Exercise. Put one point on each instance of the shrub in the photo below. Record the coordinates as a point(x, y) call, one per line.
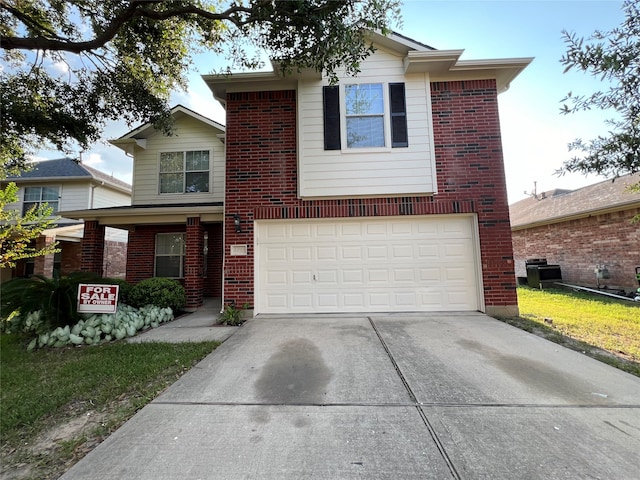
point(161, 292)
point(124, 291)
point(56, 298)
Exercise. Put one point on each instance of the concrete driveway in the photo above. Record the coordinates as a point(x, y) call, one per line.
point(382, 396)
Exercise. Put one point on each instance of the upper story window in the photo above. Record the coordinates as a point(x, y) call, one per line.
point(184, 172)
point(170, 255)
point(34, 196)
point(367, 116)
point(364, 113)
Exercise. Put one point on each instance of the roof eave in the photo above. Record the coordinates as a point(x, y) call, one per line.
point(129, 217)
point(576, 216)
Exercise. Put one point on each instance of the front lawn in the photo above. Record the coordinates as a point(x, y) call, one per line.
point(47, 389)
point(593, 321)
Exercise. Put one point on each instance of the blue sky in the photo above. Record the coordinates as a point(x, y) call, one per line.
point(535, 135)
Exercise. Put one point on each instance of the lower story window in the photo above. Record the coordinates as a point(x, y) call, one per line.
point(170, 255)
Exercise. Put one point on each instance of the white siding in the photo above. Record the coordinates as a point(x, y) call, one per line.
point(74, 196)
point(190, 134)
point(361, 172)
point(116, 235)
point(104, 197)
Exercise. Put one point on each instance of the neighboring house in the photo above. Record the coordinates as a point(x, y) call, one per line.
point(384, 192)
point(64, 184)
point(583, 231)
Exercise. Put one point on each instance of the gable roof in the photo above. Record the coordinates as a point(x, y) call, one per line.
point(441, 65)
point(146, 129)
point(557, 205)
point(67, 169)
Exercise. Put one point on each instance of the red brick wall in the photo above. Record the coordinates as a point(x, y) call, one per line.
point(261, 179)
point(93, 247)
point(194, 263)
point(70, 257)
point(115, 259)
point(142, 248)
point(213, 279)
point(579, 245)
point(44, 263)
point(470, 166)
point(141, 258)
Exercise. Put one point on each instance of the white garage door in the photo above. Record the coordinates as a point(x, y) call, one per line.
point(367, 265)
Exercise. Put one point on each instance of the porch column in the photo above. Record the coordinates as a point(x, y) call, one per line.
point(43, 265)
point(92, 247)
point(194, 264)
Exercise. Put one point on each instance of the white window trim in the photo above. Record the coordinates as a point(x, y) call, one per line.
point(386, 120)
point(41, 202)
point(183, 254)
point(184, 151)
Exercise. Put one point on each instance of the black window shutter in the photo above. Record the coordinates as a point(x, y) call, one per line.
point(399, 135)
point(331, 104)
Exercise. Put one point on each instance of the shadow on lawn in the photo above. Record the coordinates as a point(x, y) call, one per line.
point(614, 359)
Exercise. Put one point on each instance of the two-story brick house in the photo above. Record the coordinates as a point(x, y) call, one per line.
point(384, 192)
point(67, 183)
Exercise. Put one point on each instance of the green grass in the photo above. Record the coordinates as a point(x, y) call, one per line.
point(39, 388)
point(610, 324)
point(601, 327)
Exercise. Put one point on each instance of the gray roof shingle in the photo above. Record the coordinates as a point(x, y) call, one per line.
point(69, 168)
point(558, 205)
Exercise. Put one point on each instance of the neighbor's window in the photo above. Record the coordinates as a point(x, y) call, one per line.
point(34, 196)
point(170, 255)
point(184, 172)
point(364, 111)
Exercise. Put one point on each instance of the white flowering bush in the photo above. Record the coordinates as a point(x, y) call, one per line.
point(94, 329)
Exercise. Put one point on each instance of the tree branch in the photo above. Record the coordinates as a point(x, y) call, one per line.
point(136, 9)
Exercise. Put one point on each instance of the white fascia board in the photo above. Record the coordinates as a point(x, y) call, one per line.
point(431, 61)
point(445, 65)
point(138, 135)
point(504, 70)
point(220, 85)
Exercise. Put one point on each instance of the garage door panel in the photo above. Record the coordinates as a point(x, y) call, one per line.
point(274, 254)
point(378, 276)
point(301, 277)
point(376, 252)
point(327, 253)
point(277, 277)
point(381, 264)
point(351, 252)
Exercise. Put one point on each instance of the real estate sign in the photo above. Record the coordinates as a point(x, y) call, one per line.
point(97, 298)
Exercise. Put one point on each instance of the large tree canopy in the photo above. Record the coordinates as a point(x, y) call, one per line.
point(614, 56)
point(71, 66)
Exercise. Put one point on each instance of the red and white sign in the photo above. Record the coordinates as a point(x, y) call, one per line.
point(97, 298)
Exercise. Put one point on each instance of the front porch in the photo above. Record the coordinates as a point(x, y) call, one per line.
point(193, 255)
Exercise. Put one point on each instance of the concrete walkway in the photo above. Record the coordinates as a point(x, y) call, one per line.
point(386, 396)
point(199, 326)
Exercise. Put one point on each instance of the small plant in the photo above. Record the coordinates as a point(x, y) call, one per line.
point(161, 292)
point(233, 315)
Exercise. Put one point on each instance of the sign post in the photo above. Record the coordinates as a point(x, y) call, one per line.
point(97, 298)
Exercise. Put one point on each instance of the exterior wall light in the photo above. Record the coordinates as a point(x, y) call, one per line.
point(236, 223)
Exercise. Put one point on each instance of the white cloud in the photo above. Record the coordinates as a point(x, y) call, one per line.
point(93, 160)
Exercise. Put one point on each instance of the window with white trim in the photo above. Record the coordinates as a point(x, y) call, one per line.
point(364, 115)
point(184, 172)
point(170, 255)
point(367, 116)
point(35, 196)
